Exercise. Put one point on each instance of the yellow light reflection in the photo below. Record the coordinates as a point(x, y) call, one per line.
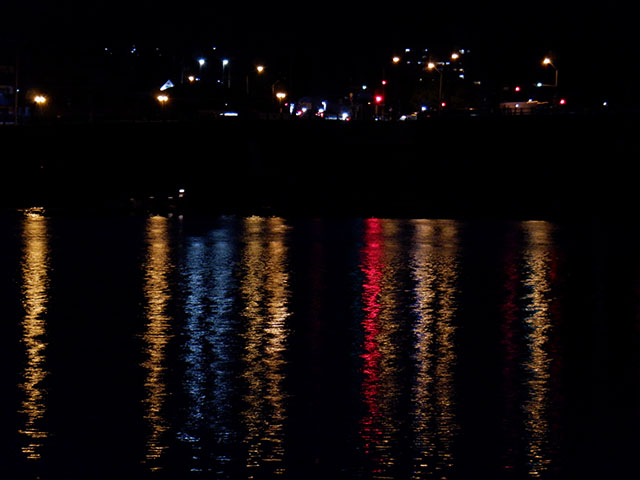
point(35, 276)
point(265, 293)
point(157, 335)
point(538, 265)
point(435, 266)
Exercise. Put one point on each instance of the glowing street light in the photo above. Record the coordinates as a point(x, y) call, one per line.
point(225, 66)
point(162, 99)
point(280, 96)
point(455, 56)
point(40, 99)
point(547, 61)
point(260, 68)
point(432, 66)
point(201, 62)
point(395, 59)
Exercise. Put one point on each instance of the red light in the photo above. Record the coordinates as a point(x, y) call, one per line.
point(517, 89)
point(384, 82)
point(443, 104)
point(562, 101)
point(378, 98)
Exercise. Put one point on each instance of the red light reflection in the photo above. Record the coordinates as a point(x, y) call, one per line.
point(372, 266)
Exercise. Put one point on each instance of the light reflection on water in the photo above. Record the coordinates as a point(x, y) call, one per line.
point(264, 289)
point(222, 402)
point(435, 271)
point(538, 272)
point(378, 427)
point(157, 269)
point(529, 354)
point(35, 292)
point(209, 347)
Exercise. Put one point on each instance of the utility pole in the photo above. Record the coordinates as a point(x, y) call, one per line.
point(15, 92)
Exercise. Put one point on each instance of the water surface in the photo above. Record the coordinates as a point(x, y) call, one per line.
point(266, 347)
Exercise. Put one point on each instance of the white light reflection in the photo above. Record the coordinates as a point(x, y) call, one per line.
point(35, 294)
point(435, 267)
point(209, 332)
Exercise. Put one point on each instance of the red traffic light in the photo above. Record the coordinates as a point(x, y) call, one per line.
point(379, 98)
point(562, 101)
point(517, 89)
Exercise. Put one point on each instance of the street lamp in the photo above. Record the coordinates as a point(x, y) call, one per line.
point(225, 63)
point(432, 66)
point(280, 96)
point(547, 61)
point(259, 70)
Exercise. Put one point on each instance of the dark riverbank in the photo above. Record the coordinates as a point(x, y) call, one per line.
point(525, 167)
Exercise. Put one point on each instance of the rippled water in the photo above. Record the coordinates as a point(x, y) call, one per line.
point(267, 348)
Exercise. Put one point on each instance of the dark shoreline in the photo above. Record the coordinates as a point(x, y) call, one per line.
point(503, 167)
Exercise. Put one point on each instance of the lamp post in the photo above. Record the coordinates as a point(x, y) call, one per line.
point(259, 70)
point(162, 100)
point(225, 67)
point(280, 96)
point(547, 61)
point(432, 66)
point(40, 101)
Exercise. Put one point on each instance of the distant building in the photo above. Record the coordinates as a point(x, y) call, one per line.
point(7, 94)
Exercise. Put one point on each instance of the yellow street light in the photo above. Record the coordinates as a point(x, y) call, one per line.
point(547, 61)
point(280, 96)
point(432, 66)
point(455, 56)
point(260, 68)
point(162, 99)
point(40, 99)
point(395, 59)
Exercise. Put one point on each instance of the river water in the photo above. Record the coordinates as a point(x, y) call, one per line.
point(264, 347)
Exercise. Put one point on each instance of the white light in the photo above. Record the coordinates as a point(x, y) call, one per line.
point(604, 104)
point(364, 87)
point(168, 84)
point(324, 105)
point(181, 190)
point(539, 84)
point(407, 50)
point(345, 116)
point(423, 108)
point(461, 75)
point(201, 61)
point(225, 62)
point(230, 114)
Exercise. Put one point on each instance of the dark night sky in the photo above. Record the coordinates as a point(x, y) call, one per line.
point(593, 42)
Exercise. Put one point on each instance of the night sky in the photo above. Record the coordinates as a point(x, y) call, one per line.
point(593, 44)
